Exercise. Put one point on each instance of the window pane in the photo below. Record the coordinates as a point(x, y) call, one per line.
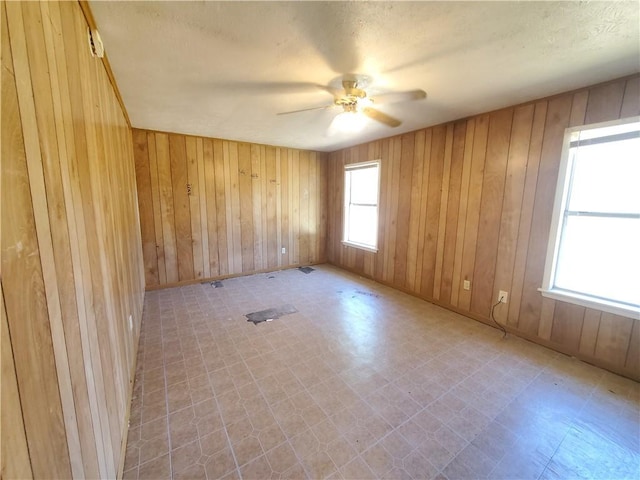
point(364, 185)
point(606, 177)
point(601, 257)
point(363, 226)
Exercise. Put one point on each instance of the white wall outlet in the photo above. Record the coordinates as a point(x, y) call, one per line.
point(466, 284)
point(503, 296)
point(284, 250)
point(130, 323)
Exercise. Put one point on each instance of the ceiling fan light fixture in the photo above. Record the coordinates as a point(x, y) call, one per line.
point(348, 122)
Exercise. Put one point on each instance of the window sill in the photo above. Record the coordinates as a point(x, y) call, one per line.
point(360, 246)
point(591, 302)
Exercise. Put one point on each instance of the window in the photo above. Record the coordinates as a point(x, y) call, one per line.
point(361, 186)
point(593, 258)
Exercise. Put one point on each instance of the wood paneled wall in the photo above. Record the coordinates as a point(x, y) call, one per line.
point(72, 270)
point(472, 200)
point(213, 208)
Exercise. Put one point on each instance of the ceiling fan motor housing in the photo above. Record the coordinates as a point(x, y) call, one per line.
point(349, 102)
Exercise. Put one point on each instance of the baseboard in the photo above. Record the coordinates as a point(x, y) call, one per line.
point(233, 275)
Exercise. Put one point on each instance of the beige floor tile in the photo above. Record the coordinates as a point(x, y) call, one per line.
point(362, 382)
point(154, 447)
point(156, 468)
point(220, 464)
point(319, 465)
point(281, 458)
point(247, 449)
point(182, 458)
point(257, 469)
point(341, 451)
point(356, 468)
point(297, 472)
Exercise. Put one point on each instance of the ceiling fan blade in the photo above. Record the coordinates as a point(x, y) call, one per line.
point(305, 110)
point(381, 117)
point(396, 97)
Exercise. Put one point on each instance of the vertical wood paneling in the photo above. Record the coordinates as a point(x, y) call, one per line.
point(313, 230)
point(85, 142)
point(613, 338)
point(193, 192)
point(436, 171)
point(73, 302)
point(526, 211)
point(567, 324)
point(220, 253)
point(303, 209)
point(395, 159)
point(22, 227)
point(589, 335)
point(605, 102)
point(284, 214)
point(245, 214)
point(473, 208)
point(632, 363)
point(156, 208)
point(631, 100)
point(558, 113)
point(491, 210)
point(38, 411)
point(414, 205)
point(72, 269)
point(181, 211)
point(294, 205)
point(263, 207)
point(472, 200)
point(204, 207)
point(462, 213)
point(322, 172)
point(443, 205)
point(453, 203)
point(15, 452)
point(512, 202)
point(234, 222)
point(256, 195)
point(143, 184)
point(272, 208)
point(426, 149)
point(166, 207)
point(279, 194)
point(404, 208)
point(247, 202)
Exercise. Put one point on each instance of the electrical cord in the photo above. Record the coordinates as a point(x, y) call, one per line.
point(500, 326)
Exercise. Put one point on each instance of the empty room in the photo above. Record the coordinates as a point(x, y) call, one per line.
point(307, 240)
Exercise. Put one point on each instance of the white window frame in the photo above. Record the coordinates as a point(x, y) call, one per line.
point(561, 197)
point(346, 210)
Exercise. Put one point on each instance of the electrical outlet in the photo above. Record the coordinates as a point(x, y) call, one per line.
point(466, 284)
point(284, 250)
point(503, 296)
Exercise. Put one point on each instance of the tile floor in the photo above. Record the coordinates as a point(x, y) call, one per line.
point(363, 382)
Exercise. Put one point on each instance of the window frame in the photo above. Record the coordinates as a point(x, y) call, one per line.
point(553, 247)
point(346, 203)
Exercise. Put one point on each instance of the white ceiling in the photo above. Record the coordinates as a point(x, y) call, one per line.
point(225, 69)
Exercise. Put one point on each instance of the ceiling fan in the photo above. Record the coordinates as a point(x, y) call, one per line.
point(353, 98)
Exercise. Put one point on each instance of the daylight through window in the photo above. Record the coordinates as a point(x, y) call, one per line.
point(361, 186)
point(594, 248)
